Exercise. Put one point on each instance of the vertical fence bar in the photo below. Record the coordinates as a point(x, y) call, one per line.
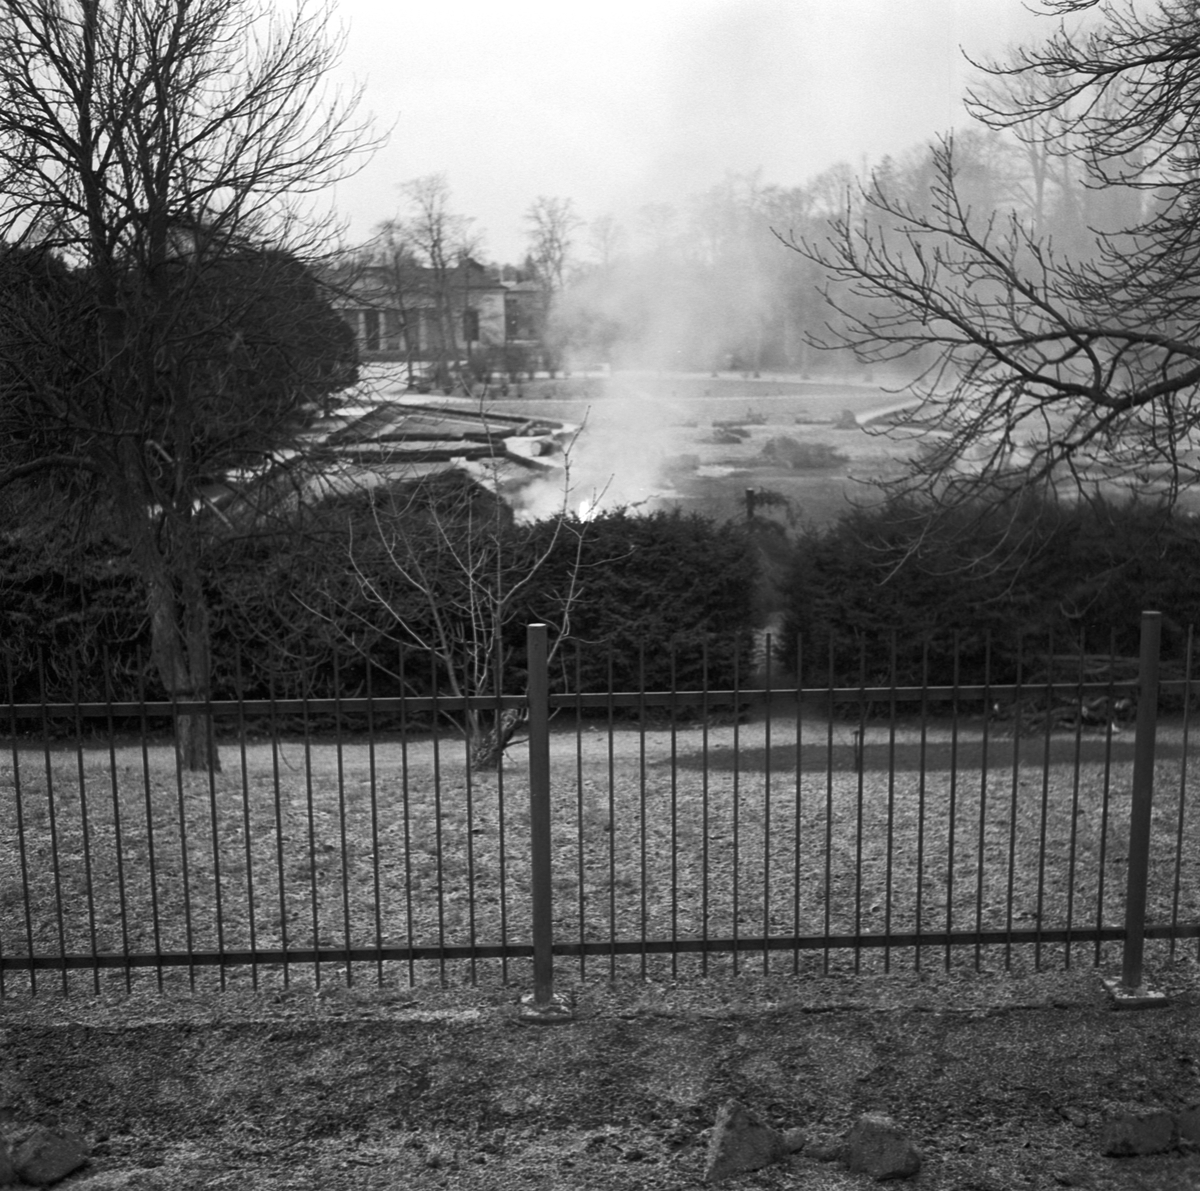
point(439, 852)
point(1101, 860)
point(406, 802)
point(144, 733)
point(53, 822)
point(952, 813)
point(1076, 778)
point(643, 858)
point(796, 851)
point(830, 712)
point(579, 811)
point(469, 714)
point(1143, 795)
point(1013, 808)
point(766, 918)
point(343, 836)
point(704, 809)
point(26, 895)
point(372, 781)
point(277, 798)
point(215, 824)
point(116, 813)
point(81, 773)
point(1183, 768)
point(309, 796)
point(922, 792)
point(1043, 821)
point(182, 804)
point(612, 823)
point(539, 819)
point(860, 745)
point(473, 719)
point(501, 816)
point(734, 794)
point(247, 830)
point(891, 809)
point(675, 815)
point(983, 794)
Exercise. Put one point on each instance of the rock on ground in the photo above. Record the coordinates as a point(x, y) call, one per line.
point(878, 1147)
point(741, 1142)
point(44, 1157)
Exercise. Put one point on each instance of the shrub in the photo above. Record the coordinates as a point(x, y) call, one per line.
point(802, 456)
point(992, 586)
point(668, 596)
point(661, 595)
point(70, 621)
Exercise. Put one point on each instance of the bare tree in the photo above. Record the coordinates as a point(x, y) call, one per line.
point(453, 570)
point(552, 224)
point(1051, 365)
point(607, 239)
point(166, 151)
point(435, 243)
point(396, 257)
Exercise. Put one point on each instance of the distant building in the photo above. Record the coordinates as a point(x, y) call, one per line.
point(409, 312)
point(524, 313)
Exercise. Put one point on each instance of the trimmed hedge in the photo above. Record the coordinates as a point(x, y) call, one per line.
point(669, 594)
point(64, 618)
point(1042, 579)
point(666, 597)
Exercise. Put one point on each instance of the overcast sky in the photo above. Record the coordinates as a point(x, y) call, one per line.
point(616, 103)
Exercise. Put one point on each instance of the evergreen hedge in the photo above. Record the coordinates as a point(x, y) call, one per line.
point(664, 595)
point(1000, 589)
point(665, 598)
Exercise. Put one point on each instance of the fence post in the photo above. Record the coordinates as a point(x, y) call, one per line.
point(541, 1005)
point(1140, 803)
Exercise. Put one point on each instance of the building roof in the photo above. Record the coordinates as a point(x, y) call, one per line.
point(376, 283)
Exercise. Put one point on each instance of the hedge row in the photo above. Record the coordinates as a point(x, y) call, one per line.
point(1000, 590)
point(666, 597)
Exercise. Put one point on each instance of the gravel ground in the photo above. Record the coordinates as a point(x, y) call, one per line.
point(1003, 1080)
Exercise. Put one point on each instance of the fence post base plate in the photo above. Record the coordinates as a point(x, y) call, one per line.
point(545, 1013)
point(1134, 998)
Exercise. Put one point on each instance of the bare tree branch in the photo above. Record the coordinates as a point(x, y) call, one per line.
point(165, 153)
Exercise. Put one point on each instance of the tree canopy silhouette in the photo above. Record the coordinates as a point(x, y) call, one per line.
point(1042, 364)
point(157, 162)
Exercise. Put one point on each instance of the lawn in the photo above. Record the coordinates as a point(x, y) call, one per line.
point(668, 834)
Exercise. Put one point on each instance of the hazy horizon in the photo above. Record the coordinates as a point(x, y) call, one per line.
point(620, 105)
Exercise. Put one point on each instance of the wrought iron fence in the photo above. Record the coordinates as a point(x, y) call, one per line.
point(784, 828)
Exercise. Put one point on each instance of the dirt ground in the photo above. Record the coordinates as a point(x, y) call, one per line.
point(1003, 1080)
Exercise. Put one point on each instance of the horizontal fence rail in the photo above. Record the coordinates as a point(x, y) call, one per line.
point(772, 826)
point(415, 704)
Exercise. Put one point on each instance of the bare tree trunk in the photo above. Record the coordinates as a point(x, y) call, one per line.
point(487, 746)
point(179, 638)
point(195, 744)
point(182, 662)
